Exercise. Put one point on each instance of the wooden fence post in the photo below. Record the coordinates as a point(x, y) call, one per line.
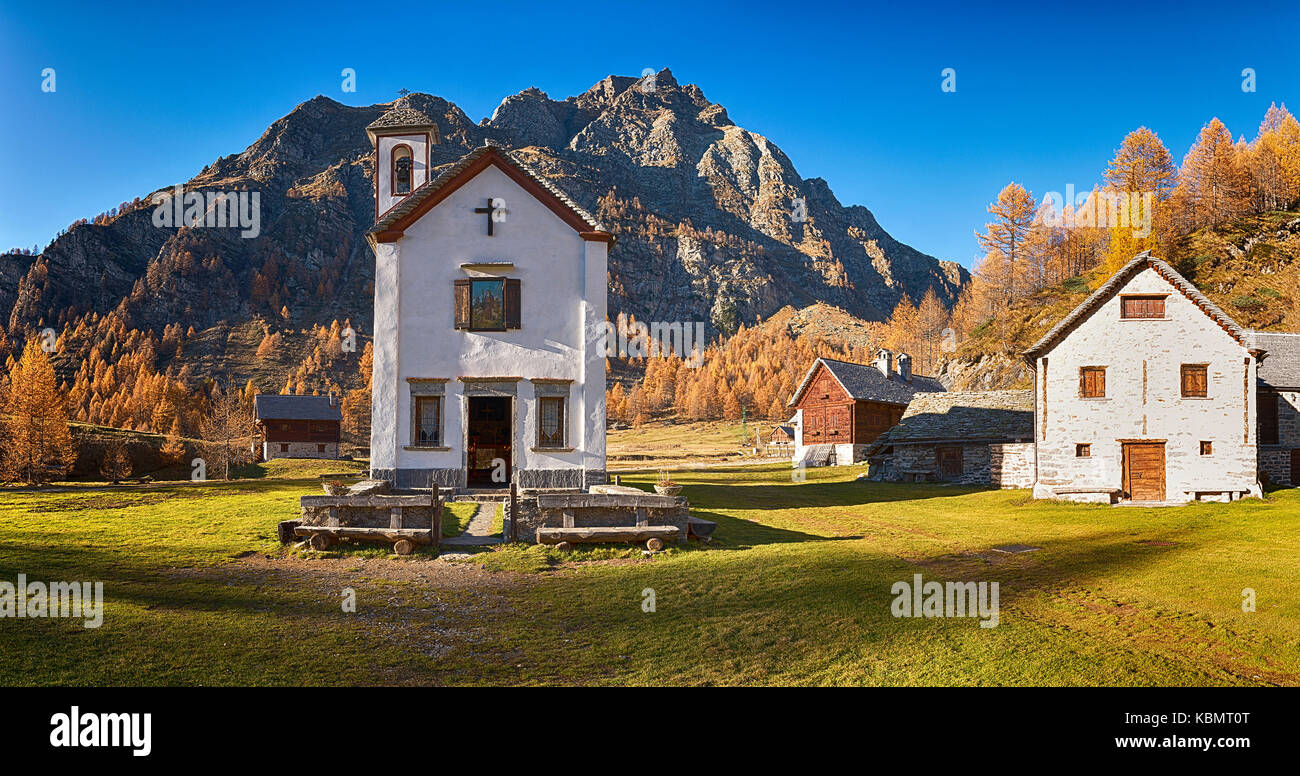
point(435, 527)
point(514, 510)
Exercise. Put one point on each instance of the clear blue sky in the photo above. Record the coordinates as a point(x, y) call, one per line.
point(147, 95)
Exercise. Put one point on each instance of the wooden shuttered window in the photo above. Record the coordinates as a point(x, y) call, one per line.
point(1267, 418)
point(462, 303)
point(513, 303)
point(1092, 382)
point(1142, 307)
point(1195, 380)
point(494, 305)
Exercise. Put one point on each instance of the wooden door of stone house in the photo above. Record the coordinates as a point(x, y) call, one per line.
point(1295, 468)
point(949, 462)
point(1144, 470)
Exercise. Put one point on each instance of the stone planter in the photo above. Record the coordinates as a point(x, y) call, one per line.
point(668, 490)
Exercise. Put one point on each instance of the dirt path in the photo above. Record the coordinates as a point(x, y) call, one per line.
point(479, 532)
point(427, 607)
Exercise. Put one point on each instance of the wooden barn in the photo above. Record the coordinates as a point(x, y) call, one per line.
point(842, 407)
point(781, 440)
point(297, 426)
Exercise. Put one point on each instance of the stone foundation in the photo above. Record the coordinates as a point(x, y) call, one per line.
point(425, 479)
point(549, 478)
point(271, 450)
point(421, 479)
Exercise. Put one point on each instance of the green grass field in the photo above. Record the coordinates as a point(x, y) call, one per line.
point(795, 590)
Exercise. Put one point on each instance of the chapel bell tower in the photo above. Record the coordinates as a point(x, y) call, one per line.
point(402, 139)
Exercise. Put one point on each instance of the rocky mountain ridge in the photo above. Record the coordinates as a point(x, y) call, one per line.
point(707, 215)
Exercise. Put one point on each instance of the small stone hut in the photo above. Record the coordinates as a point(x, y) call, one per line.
point(963, 437)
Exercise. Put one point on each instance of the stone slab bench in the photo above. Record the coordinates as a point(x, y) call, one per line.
point(1087, 494)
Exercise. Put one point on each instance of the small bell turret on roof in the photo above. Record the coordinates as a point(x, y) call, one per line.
point(402, 120)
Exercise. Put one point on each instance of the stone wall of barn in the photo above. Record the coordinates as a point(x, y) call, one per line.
point(1002, 465)
point(1275, 460)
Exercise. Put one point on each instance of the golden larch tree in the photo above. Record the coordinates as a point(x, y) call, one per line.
point(37, 445)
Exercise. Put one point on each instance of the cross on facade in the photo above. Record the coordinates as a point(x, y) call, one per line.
point(495, 211)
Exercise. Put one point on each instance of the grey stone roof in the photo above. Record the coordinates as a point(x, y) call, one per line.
point(1117, 281)
point(864, 381)
point(401, 118)
point(787, 429)
point(970, 416)
point(1280, 368)
point(271, 406)
point(446, 176)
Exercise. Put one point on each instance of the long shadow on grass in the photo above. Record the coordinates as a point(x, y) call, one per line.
point(137, 580)
point(759, 614)
point(814, 494)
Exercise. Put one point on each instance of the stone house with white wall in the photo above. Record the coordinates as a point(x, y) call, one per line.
point(490, 300)
point(1146, 392)
point(959, 437)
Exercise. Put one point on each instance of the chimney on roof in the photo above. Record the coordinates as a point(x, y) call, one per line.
point(905, 366)
point(331, 398)
point(884, 362)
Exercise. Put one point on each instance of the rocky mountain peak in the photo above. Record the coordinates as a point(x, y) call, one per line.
point(714, 221)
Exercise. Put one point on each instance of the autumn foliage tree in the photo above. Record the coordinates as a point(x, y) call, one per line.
point(37, 445)
point(116, 465)
point(228, 431)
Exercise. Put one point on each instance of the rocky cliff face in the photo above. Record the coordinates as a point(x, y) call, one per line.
point(706, 214)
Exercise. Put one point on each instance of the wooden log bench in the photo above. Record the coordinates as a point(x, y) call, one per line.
point(652, 535)
point(403, 538)
point(912, 474)
point(635, 503)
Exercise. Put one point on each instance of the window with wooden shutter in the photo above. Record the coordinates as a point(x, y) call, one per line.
point(462, 303)
point(487, 304)
point(1142, 307)
point(1195, 380)
point(1267, 418)
point(513, 303)
point(1092, 382)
